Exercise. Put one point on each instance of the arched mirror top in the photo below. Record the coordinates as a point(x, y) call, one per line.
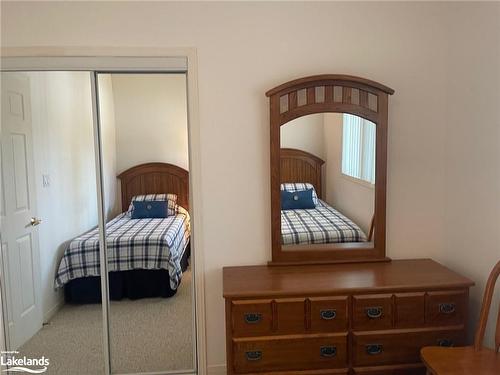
point(328, 169)
point(329, 93)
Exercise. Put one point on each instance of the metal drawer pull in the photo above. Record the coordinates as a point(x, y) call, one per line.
point(374, 349)
point(447, 308)
point(255, 355)
point(328, 314)
point(328, 351)
point(252, 318)
point(445, 342)
point(374, 312)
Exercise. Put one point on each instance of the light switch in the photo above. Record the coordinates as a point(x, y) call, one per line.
point(46, 180)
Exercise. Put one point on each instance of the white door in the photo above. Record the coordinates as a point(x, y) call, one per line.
point(18, 222)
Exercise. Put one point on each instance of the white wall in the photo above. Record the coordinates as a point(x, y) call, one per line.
point(472, 170)
point(353, 198)
point(151, 119)
point(64, 148)
point(112, 203)
point(305, 133)
point(441, 58)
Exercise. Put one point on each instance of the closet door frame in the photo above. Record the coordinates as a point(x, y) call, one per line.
point(131, 60)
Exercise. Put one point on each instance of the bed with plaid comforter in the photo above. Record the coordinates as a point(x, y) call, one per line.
point(319, 225)
point(150, 244)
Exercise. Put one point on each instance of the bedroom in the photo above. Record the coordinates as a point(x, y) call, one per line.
point(442, 143)
point(149, 253)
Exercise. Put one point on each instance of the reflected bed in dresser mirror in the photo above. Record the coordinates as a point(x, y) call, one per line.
point(328, 170)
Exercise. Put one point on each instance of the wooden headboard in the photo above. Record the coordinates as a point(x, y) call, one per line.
point(301, 166)
point(155, 178)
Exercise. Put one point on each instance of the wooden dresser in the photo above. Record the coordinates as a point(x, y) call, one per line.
point(365, 318)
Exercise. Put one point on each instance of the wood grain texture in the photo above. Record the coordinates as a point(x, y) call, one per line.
point(340, 279)
point(461, 361)
point(400, 346)
point(365, 108)
point(406, 369)
point(290, 353)
point(262, 310)
point(437, 303)
point(301, 166)
point(409, 310)
point(154, 178)
point(361, 319)
point(297, 299)
point(469, 360)
point(321, 304)
point(485, 310)
point(323, 79)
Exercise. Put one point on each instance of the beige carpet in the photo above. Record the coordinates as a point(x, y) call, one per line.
point(148, 335)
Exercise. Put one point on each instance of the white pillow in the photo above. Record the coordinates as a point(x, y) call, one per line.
point(170, 198)
point(300, 186)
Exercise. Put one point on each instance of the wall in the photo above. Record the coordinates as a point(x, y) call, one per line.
point(112, 201)
point(64, 148)
point(472, 173)
point(353, 198)
point(151, 119)
point(243, 51)
point(305, 133)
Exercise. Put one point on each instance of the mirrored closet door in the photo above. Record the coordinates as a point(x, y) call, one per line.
point(96, 166)
point(144, 142)
point(49, 209)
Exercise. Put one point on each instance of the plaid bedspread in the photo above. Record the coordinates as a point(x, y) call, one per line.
point(131, 244)
point(323, 224)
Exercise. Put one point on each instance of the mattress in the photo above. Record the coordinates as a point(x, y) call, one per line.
point(149, 244)
point(320, 225)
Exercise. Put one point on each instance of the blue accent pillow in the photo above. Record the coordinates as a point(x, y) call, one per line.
point(294, 200)
point(149, 209)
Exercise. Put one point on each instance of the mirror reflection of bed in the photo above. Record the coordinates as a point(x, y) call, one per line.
point(327, 174)
point(56, 282)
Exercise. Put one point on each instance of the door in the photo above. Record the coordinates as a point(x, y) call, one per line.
point(20, 253)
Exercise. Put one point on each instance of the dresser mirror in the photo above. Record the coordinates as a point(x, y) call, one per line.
point(328, 169)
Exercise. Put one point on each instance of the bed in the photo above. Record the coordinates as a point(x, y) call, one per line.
point(147, 256)
point(323, 224)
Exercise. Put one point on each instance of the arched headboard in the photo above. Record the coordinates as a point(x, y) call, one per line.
point(301, 166)
point(155, 178)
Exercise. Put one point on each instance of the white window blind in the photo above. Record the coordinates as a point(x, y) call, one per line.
point(358, 148)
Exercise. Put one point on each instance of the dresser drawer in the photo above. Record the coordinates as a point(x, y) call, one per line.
point(372, 312)
point(290, 316)
point(399, 346)
point(251, 317)
point(409, 310)
point(445, 308)
point(328, 314)
point(282, 353)
point(411, 369)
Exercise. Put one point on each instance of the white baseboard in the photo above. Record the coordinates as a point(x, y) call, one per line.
point(52, 311)
point(216, 369)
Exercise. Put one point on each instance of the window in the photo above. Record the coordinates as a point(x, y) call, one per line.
point(358, 148)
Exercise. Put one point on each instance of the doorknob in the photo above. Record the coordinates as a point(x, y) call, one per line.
point(35, 221)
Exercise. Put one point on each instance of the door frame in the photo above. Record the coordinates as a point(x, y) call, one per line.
point(147, 60)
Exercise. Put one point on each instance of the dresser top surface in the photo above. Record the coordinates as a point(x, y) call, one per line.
point(397, 275)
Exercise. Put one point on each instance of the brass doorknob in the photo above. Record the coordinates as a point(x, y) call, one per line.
point(35, 221)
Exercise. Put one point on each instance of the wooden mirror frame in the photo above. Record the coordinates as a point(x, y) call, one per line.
point(371, 104)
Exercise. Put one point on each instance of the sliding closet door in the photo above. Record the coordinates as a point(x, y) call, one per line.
point(49, 214)
point(144, 141)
